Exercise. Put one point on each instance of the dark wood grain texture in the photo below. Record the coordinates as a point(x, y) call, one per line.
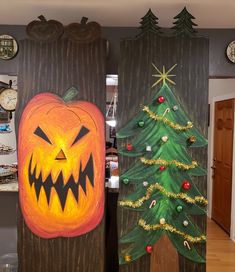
point(55, 67)
point(135, 80)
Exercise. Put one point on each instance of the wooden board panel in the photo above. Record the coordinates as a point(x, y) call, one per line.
point(135, 80)
point(56, 67)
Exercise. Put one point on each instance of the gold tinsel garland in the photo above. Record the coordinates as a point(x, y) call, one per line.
point(172, 162)
point(138, 203)
point(156, 117)
point(142, 223)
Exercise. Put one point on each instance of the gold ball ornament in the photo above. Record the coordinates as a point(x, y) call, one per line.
point(192, 139)
point(127, 258)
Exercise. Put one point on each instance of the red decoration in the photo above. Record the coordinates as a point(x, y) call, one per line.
point(129, 147)
point(149, 249)
point(160, 99)
point(186, 185)
point(162, 167)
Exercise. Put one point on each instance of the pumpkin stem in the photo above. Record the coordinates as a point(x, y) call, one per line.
point(70, 94)
point(84, 20)
point(42, 18)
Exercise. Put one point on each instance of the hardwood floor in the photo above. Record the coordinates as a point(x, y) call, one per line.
point(220, 250)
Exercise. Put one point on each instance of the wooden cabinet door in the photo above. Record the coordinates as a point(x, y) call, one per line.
point(222, 166)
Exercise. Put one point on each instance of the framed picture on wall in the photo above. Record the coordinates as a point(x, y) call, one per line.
point(8, 47)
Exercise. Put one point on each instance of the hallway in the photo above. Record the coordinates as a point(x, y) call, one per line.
point(221, 250)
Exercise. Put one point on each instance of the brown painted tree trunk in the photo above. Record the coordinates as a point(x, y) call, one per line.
point(55, 67)
point(164, 257)
point(135, 81)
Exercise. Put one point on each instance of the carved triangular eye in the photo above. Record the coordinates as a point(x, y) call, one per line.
point(40, 133)
point(83, 131)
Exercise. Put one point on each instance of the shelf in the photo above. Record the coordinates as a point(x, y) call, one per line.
point(9, 187)
point(4, 132)
point(7, 152)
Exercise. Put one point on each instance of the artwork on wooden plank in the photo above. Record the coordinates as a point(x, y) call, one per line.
point(61, 159)
point(163, 176)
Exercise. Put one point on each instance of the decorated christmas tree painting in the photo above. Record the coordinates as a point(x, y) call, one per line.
point(162, 175)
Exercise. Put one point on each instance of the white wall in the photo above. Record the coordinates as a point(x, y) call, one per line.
point(220, 89)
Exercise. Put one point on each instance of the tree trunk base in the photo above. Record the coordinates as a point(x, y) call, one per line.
point(162, 262)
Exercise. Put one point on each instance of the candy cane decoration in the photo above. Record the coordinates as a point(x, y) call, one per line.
point(186, 244)
point(166, 111)
point(153, 203)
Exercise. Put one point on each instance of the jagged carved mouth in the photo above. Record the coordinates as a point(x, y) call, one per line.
point(59, 186)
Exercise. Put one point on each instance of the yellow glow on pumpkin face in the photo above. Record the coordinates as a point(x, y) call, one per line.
point(61, 166)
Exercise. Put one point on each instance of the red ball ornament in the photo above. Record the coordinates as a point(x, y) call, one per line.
point(149, 249)
point(160, 99)
point(162, 168)
point(186, 185)
point(129, 147)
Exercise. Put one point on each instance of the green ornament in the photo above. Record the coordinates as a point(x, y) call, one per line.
point(179, 208)
point(126, 180)
point(141, 123)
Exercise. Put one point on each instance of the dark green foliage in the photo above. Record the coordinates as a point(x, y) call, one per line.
point(149, 24)
point(184, 24)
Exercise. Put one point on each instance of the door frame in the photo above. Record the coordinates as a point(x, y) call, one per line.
point(210, 162)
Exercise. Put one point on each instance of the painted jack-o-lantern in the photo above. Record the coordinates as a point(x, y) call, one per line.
point(61, 151)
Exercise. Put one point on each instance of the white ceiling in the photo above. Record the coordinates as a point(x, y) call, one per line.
point(208, 13)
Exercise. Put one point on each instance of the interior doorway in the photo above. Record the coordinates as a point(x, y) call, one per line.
point(221, 89)
point(222, 163)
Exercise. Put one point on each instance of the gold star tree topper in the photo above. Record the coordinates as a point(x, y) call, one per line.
point(163, 75)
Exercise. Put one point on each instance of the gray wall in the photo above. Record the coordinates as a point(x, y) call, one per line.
point(218, 66)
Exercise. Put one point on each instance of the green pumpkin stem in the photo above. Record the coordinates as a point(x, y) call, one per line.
point(70, 94)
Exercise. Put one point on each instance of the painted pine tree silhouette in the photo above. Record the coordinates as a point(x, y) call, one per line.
point(149, 24)
point(184, 24)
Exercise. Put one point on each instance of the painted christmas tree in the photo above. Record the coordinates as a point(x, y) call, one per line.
point(184, 23)
point(164, 191)
point(149, 24)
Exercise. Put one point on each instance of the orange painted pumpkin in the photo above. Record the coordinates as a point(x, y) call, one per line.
point(61, 157)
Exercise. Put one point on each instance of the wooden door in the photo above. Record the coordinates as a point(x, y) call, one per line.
point(222, 166)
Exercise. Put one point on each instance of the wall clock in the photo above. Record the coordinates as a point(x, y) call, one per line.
point(8, 99)
point(8, 47)
point(230, 51)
